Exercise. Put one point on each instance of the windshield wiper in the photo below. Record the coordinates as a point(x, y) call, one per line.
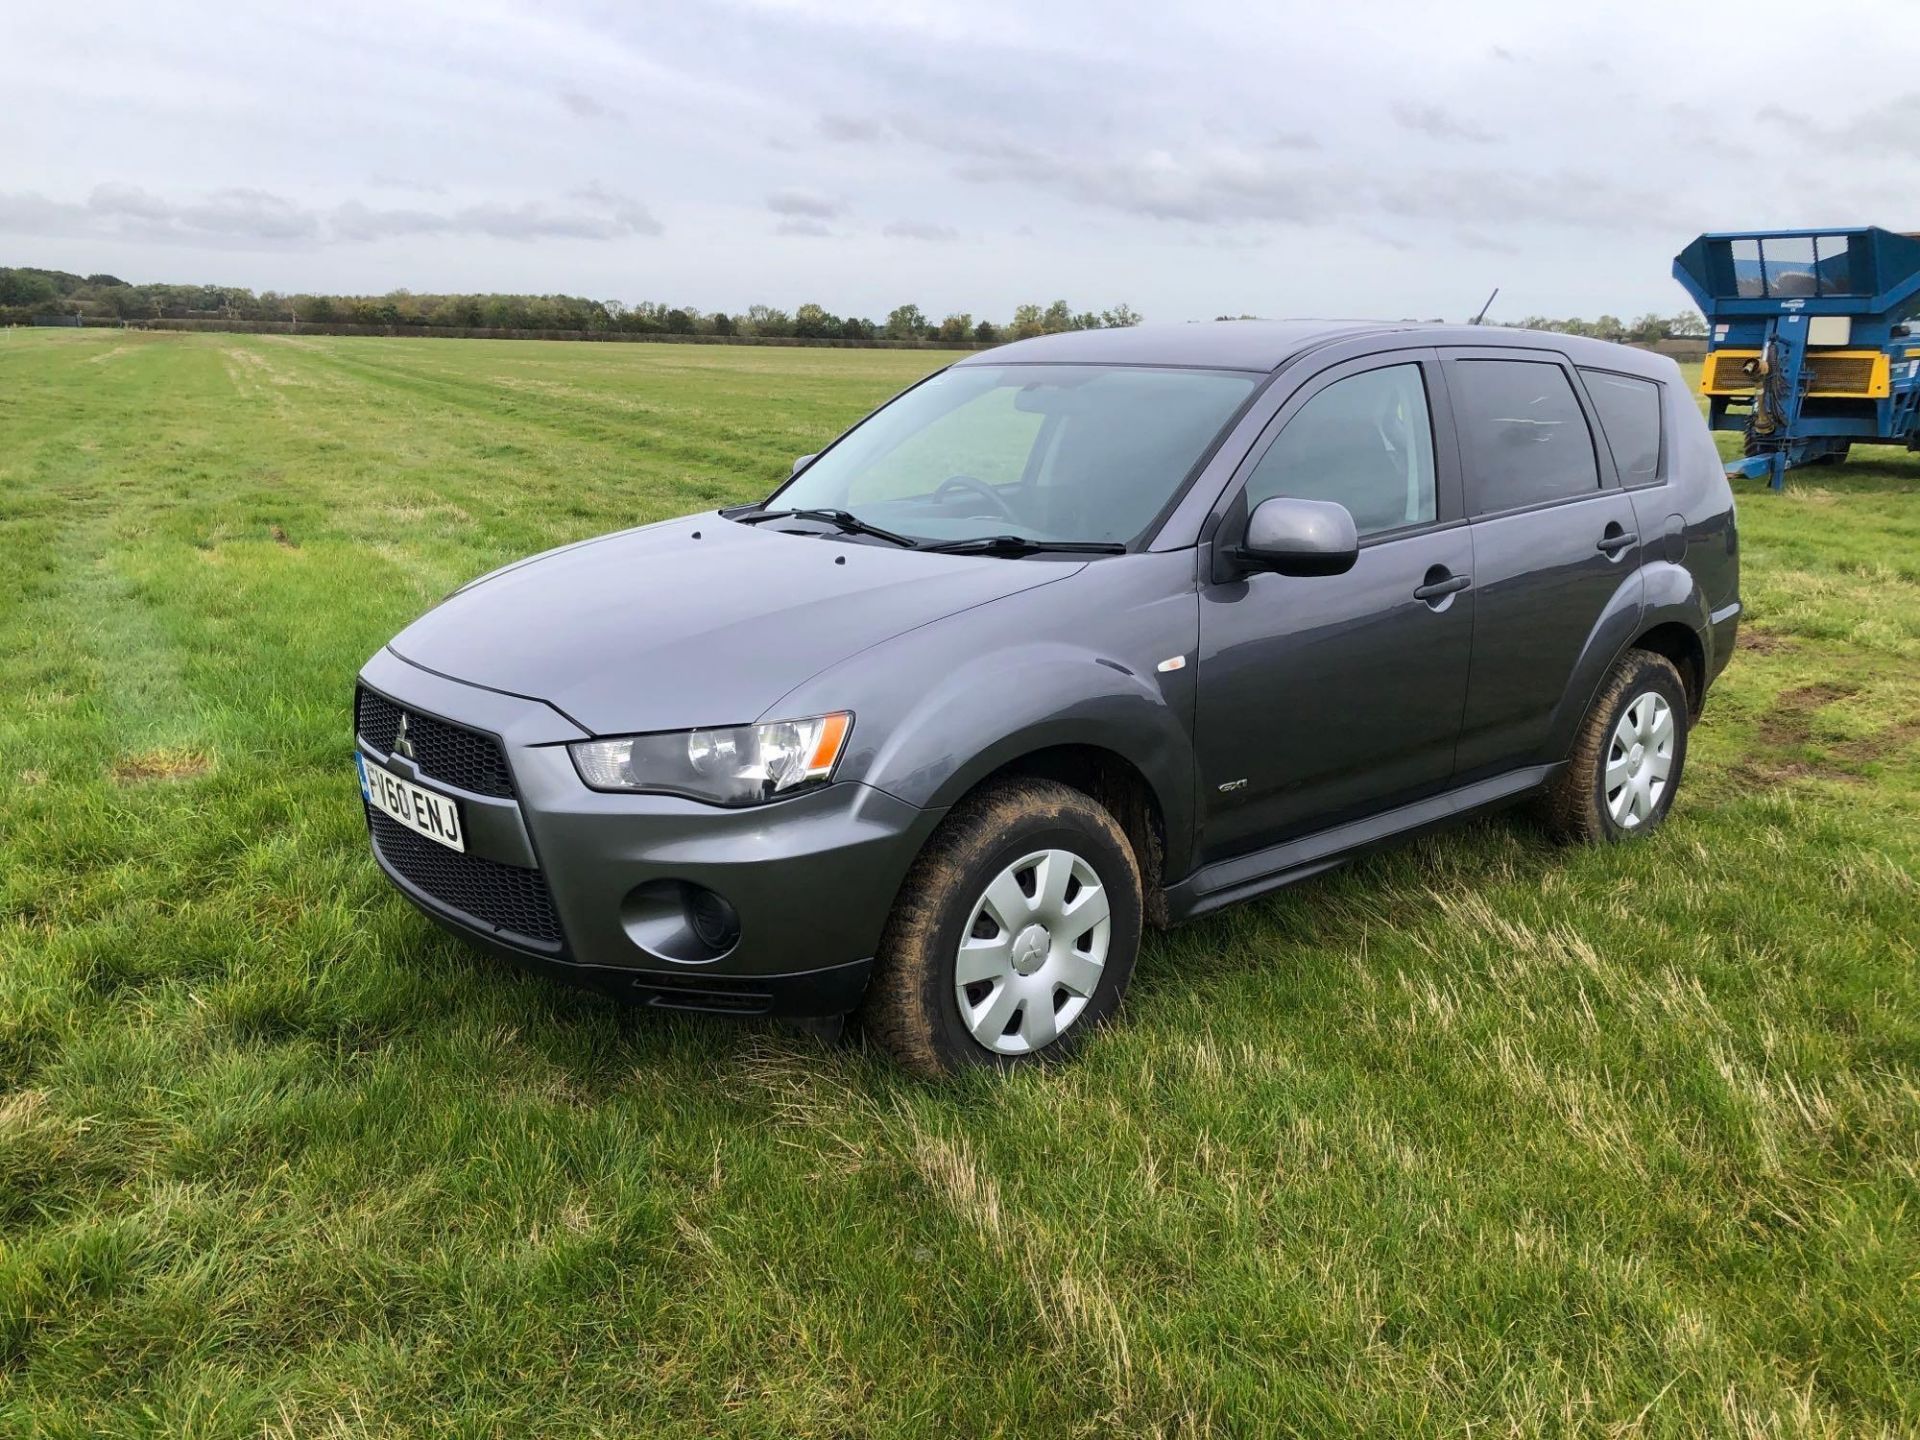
point(1021, 545)
point(843, 520)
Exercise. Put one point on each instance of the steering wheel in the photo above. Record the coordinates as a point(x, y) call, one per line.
point(978, 487)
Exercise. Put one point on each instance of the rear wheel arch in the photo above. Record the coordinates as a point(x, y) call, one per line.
point(1624, 616)
point(1677, 623)
point(1680, 643)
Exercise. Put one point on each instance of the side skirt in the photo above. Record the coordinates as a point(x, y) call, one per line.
point(1227, 881)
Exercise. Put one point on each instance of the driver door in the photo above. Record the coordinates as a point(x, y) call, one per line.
point(1327, 698)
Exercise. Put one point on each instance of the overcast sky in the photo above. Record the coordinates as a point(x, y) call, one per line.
point(1370, 157)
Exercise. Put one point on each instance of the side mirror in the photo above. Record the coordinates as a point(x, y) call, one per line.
point(800, 462)
point(1299, 537)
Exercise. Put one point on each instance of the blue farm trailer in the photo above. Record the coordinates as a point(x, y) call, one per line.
point(1814, 341)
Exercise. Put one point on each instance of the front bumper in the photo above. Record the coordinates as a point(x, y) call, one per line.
point(570, 882)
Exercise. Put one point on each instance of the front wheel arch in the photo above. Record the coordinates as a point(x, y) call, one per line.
point(1115, 783)
point(1123, 744)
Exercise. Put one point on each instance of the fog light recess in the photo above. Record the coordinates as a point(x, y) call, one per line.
point(679, 921)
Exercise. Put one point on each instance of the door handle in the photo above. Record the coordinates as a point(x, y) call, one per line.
point(1615, 540)
point(1441, 585)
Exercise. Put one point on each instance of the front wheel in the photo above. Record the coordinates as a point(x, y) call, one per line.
point(1626, 763)
point(1014, 934)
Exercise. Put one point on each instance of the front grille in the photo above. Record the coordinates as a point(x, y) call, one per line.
point(442, 750)
point(503, 897)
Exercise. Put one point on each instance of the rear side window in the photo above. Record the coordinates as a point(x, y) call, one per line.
point(1629, 412)
point(1525, 433)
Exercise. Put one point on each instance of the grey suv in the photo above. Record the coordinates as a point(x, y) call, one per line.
point(1082, 634)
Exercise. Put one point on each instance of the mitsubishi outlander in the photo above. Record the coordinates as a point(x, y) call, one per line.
point(1080, 635)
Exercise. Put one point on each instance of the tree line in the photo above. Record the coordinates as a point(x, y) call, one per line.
point(1685, 325)
point(27, 294)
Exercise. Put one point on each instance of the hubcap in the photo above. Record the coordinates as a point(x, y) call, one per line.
point(1034, 950)
point(1639, 760)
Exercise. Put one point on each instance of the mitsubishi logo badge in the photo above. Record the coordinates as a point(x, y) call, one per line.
point(402, 742)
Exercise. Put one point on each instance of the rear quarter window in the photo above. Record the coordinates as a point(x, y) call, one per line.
point(1629, 411)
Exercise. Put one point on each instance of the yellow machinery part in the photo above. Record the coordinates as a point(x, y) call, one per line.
point(1837, 374)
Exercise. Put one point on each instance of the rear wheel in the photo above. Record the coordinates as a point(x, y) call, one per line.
point(1014, 935)
point(1626, 763)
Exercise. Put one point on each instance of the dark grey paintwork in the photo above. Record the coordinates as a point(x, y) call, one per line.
point(692, 622)
point(1312, 716)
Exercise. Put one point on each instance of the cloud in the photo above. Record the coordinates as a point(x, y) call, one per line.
point(1706, 137)
point(1481, 240)
point(230, 215)
point(587, 107)
point(354, 221)
point(526, 220)
point(1887, 126)
point(246, 215)
point(1230, 185)
point(851, 129)
point(623, 208)
point(1221, 185)
point(805, 204)
point(920, 230)
point(241, 218)
point(803, 226)
point(1440, 124)
point(401, 182)
point(1497, 200)
point(129, 200)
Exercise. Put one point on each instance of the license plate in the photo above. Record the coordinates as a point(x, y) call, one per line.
point(435, 816)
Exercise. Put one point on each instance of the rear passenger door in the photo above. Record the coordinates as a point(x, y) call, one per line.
point(1556, 552)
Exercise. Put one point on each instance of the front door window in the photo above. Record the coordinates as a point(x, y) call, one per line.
point(1365, 441)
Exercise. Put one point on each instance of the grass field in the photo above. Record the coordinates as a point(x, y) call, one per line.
point(1481, 1136)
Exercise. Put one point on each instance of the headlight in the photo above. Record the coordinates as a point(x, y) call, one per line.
point(744, 765)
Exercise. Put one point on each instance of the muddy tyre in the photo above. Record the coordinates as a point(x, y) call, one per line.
point(1014, 935)
point(1628, 757)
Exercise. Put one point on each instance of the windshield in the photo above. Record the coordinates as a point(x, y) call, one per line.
point(1043, 452)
